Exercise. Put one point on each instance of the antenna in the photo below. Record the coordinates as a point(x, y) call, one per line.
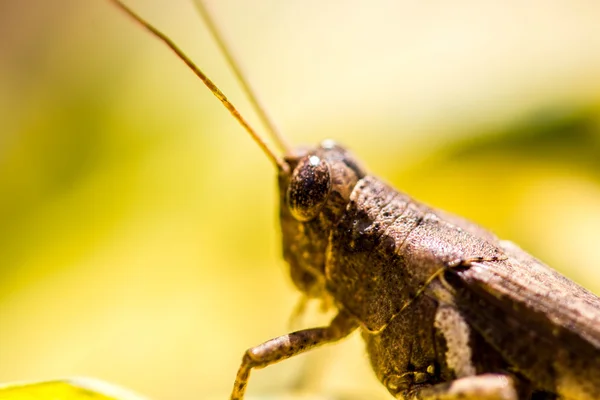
point(235, 67)
point(209, 84)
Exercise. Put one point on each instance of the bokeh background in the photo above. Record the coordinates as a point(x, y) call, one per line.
point(138, 231)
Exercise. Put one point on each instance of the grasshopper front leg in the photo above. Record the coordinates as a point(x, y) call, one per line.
point(477, 387)
point(286, 346)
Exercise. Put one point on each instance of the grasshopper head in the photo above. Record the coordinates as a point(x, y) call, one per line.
point(313, 193)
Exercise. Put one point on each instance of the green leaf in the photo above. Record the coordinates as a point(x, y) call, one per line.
point(66, 389)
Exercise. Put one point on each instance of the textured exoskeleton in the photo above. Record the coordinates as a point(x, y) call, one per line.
point(446, 309)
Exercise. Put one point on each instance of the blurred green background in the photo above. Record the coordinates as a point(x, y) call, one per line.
point(139, 239)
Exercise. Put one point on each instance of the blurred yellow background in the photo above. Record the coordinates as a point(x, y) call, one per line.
point(139, 239)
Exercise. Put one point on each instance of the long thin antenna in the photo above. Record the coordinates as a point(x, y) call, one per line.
point(235, 67)
point(209, 84)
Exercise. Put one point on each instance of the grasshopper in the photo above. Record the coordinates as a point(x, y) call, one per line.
point(446, 309)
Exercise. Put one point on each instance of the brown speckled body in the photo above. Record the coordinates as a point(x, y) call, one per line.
point(446, 309)
point(411, 276)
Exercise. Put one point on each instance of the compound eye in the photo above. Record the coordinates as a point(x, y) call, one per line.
point(309, 188)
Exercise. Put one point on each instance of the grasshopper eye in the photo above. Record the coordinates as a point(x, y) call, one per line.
point(309, 188)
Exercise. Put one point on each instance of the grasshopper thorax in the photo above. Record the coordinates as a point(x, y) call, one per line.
point(314, 192)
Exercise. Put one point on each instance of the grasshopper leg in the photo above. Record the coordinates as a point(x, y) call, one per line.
point(286, 346)
point(477, 387)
